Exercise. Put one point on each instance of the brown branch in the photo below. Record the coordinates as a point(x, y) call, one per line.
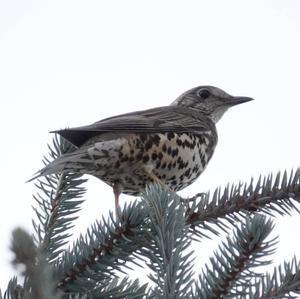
point(240, 203)
point(125, 231)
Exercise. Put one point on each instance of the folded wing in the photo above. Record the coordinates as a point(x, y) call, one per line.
point(161, 119)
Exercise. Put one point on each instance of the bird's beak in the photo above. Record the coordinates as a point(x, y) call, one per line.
point(232, 101)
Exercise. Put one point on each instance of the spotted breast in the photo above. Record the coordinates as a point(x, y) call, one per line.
point(136, 160)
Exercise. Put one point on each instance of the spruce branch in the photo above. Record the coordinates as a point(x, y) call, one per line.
point(106, 248)
point(112, 288)
point(75, 268)
point(267, 195)
point(169, 260)
point(120, 289)
point(283, 282)
point(57, 202)
point(13, 291)
point(232, 267)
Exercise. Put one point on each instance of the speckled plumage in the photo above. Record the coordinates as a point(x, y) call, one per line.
point(175, 159)
point(170, 145)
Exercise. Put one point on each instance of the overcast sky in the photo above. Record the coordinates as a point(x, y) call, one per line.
point(71, 63)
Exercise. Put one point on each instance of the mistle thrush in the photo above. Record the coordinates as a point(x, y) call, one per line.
point(170, 145)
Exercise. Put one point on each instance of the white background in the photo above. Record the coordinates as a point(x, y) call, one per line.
point(70, 63)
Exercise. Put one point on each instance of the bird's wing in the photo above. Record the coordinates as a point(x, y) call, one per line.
point(161, 119)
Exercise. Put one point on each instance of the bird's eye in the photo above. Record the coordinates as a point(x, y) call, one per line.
point(203, 93)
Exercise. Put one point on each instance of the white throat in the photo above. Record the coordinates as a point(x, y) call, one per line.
point(218, 113)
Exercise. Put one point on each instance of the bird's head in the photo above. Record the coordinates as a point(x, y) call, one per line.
point(209, 100)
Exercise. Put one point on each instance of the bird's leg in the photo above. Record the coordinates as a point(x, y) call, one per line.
point(117, 189)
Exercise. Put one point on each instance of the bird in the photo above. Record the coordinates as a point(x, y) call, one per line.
point(168, 145)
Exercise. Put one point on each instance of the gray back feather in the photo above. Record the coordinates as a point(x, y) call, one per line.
point(157, 120)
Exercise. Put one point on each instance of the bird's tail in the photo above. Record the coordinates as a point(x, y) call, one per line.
point(70, 161)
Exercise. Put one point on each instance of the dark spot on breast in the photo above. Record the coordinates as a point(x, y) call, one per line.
point(148, 144)
point(181, 164)
point(156, 140)
point(163, 166)
point(145, 158)
point(170, 135)
point(186, 143)
point(173, 183)
point(179, 141)
point(137, 142)
point(195, 168)
point(117, 164)
point(202, 140)
point(143, 137)
point(170, 165)
point(174, 152)
point(160, 155)
point(169, 150)
point(154, 156)
point(194, 157)
point(202, 158)
point(187, 172)
point(164, 148)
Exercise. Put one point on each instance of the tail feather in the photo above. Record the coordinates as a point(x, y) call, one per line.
point(64, 162)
